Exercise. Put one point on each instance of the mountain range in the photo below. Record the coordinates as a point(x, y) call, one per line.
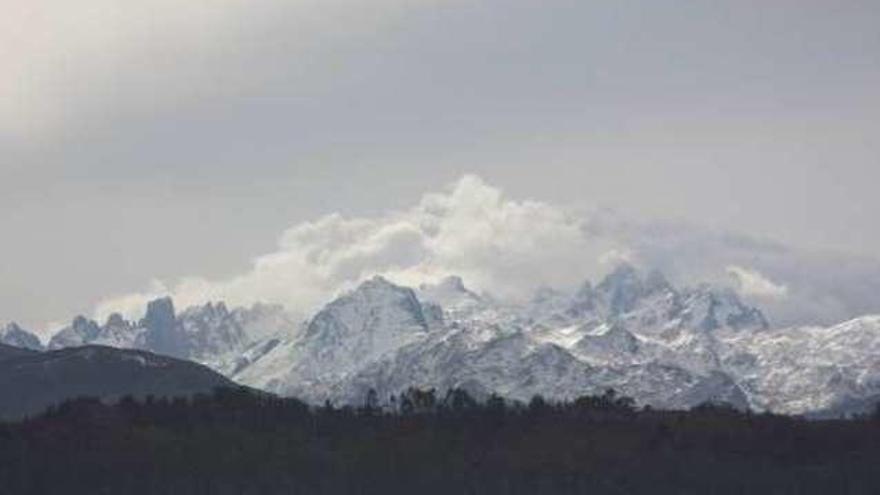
point(634, 331)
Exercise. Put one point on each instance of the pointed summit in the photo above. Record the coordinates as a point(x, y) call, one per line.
point(11, 328)
point(357, 329)
point(377, 281)
point(116, 320)
point(379, 299)
point(624, 287)
point(710, 308)
point(208, 311)
point(14, 335)
point(89, 329)
point(80, 332)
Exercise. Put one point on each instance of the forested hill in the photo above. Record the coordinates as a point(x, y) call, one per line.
point(235, 442)
point(30, 381)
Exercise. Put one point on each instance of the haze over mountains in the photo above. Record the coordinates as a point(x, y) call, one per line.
point(633, 331)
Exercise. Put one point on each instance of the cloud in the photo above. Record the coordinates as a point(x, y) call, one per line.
point(753, 283)
point(499, 245)
point(512, 247)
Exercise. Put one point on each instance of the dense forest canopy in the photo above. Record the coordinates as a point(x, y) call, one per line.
point(244, 442)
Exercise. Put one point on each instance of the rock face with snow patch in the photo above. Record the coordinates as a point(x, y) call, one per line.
point(811, 369)
point(15, 336)
point(633, 331)
point(210, 334)
point(359, 328)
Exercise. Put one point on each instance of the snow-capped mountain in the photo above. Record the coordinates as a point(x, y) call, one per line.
point(633, 331)
point(14, 335)
point(361, 327)
point(210, 334)
point(117, 332)
point(630, 332)
point(810, 369)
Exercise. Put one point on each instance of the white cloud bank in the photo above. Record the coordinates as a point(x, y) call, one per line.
point(499, 245)
point(510, 247)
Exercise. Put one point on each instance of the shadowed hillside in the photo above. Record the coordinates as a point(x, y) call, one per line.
point(31, 381)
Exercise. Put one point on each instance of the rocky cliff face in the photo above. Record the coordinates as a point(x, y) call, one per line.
point(209, 334)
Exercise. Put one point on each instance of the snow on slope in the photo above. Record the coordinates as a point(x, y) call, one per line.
point(379, 336)
point(357, 329)
point(209, 334)
point(810, 369)
point(633, 332)
point(14, 335)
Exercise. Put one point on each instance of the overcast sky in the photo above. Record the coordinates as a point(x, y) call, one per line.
point(145, 142)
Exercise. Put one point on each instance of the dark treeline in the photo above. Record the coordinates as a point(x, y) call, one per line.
point(241, 442)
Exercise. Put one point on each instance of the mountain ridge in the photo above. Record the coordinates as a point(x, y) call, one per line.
point(633, 331)
point(31, 381)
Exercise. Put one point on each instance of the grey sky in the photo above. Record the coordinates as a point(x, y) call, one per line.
point(167, 141)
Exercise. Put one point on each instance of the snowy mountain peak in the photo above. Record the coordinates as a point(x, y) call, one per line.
point(81, 331)
point(625, 286)
point(208, 311)
point(633, 332)
point(11, 327)
point(14, 335)
point(709, 308)
point(117, 321)
point(89, 329)
point(210, 334)
point(375, 304)
point(358, 328)
point(378, 283)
